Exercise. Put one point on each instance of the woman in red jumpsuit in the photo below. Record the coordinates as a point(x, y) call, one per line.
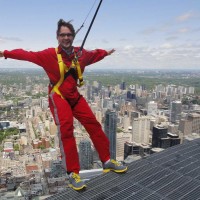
point(68, 103)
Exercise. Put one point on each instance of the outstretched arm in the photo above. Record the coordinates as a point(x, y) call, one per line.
point(40, 57)
point(96, 55)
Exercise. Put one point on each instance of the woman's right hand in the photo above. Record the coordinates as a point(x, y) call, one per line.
point(1, 54)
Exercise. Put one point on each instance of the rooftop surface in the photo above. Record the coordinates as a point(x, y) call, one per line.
point(172, 174)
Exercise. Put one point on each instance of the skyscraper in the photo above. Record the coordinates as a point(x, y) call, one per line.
point(185, 126)
point(195, 119)
point(152, 108)
point(110, 130)
point(159, 132)
point(57, 169)
point(123, 86)
point(141, 130)
point(85, 154)
point(175, 111)
point(126, 122)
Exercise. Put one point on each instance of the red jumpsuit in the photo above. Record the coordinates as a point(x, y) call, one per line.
point(74, 105)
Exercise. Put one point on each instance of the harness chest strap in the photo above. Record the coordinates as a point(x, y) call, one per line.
point(63, 69)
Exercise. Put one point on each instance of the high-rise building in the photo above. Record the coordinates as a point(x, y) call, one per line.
point(57, 169)
point(175, 111)
point(152, 108)
point(191, 90)
point(85, 154)
point(134, 114)
point(185, 126)
point(110, 126)
point(159, 132)
point(126, 122)
point(121, 140)
point(89, 92)
point(195, 119)
point(123, 86)
point(130, 95)
point(141, 130)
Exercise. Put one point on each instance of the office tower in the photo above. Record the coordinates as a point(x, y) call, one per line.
point(85, 154)
point(195, 119)
point(121, 140)
point(162, 139)
point(126, 122)
point(143, 86)
point(134, 114)
point(141, 130)
point(190, 90)
point(110, 104)
point(159, 132)
point(89, 92)
point(185, 126)
point(130, 95)
point(110, 126)
point(57, 169)
point(123, 86)
point(152, 108)
point(169, 141)
point(174, 139)
point(173, 128)
point(44, 103)
point(175, 111)
point(130, 149)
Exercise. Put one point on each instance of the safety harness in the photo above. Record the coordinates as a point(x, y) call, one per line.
point(65, 72)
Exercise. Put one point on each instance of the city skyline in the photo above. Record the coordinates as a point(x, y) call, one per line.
point(146, 35)
point(29, 143)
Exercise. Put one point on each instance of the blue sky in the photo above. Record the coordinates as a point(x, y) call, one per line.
point(146, 34)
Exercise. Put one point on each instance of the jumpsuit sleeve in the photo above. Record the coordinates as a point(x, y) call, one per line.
point(38, 57)
point(94, 56)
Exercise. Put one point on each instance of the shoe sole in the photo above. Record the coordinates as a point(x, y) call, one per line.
point(77, 189)
point(116, 171)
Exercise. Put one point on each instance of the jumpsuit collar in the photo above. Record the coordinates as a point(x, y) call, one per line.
point(63, 52)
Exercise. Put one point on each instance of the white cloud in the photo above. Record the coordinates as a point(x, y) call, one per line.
point(183, 30)
point(185, 16)
point(166, 55)
point(166, 46)
point(4, 39)
point(128, 47)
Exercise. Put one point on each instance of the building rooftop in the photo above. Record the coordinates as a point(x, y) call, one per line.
point(171, 174)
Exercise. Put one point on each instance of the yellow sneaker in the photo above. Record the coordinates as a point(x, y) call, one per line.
point(75, 182)
point(113, 165)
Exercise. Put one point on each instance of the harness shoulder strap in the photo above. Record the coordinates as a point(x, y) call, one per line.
point(62, 68)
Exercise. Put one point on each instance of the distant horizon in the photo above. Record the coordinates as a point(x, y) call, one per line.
point(105, 69)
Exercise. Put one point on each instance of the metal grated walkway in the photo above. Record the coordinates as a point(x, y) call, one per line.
point(173, 174)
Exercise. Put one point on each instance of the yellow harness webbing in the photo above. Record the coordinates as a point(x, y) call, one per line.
point(63, 69)
point(76, 65)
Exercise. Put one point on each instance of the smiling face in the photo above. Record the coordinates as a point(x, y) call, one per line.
point(65, 37)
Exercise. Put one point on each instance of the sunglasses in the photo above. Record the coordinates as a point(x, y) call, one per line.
point(66, 34)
